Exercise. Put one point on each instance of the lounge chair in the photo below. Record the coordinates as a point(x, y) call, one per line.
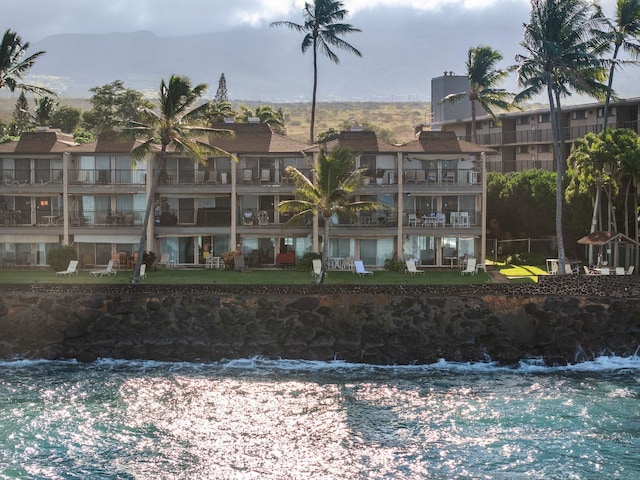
point(317, 267)
point(71, 268)
point(411, 268)
point(619, 270)
point(143, 270)
point(164, 260)
point(107, 271)
point(238, 264)
point(630, 270)
point(470, 268)
point(358, 268)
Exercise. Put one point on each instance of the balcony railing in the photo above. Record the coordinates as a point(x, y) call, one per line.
point(106, 218)
point(442, 177)
point(459, 219)
point(30, 177)
point(107, 177)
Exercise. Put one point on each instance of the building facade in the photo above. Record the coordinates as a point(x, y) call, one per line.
point(523, 139)
point(92, 196)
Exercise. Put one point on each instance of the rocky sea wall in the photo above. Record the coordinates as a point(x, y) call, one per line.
point(561, 319)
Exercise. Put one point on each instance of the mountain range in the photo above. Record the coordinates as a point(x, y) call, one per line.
point(399, 58)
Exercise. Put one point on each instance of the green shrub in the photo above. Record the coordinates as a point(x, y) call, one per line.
point(305, 264)
point(394, 265)
point(59, 258)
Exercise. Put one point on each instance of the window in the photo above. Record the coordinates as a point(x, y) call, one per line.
point(546, 148)
point(611, 112)
point(544, 118)
point(579, 115)
point(522, 120)
point(523, 149)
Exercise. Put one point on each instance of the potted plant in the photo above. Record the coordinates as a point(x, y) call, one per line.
point(379, 174)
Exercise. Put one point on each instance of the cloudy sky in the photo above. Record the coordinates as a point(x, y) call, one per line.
point(36, 19)
point(404, 42)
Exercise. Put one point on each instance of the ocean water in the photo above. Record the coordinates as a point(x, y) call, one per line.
point(262, 419)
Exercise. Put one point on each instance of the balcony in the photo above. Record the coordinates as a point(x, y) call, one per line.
point(106, 218)
point(21, 177)
point(107, 177)
point(443, 177)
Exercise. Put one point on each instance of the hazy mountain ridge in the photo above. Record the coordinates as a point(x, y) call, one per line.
point(400, 56)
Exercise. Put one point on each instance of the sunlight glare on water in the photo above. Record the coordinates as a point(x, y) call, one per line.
point(260, 419)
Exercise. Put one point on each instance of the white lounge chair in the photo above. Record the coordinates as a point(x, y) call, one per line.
point(164, 260)
point(107, 271)
point(470, 268)
point(358, 267)
point(71, 268)
point(630, 270)
point(411, 268)
point(620, 271)
point(317, 267)
point(143, 270)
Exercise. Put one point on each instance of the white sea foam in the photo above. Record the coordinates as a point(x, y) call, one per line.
point(262, 365)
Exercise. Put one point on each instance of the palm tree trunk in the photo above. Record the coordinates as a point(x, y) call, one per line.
point(559, 175)
point(155, 178)
point(607, 101)
point(315, 90)
point(473, 122)
point(594, 216)
point(325, 252)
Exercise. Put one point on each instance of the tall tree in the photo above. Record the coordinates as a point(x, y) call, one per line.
point(322, 29)
point(14, 64)
point(561, 56)
point(176, 125)
point(66, 118)
point(484, 76)
point(622, 33)
point(112, 105)
point(45, 107)
point(326, 192)
point(222, 95)
point(22, 119)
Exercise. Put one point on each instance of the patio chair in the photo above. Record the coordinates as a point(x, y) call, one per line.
point(620, 271)
point(247, 175)
point(164, 260)
point(200, 174)
point(630, 270)
point(238, 264)
point(413, 220)
point(265, 176)
point(107, 271)
point(317, 267)
point(358, 268)
point(411, 268)
point(143, 270)
point(71, 268)
point(470, 268)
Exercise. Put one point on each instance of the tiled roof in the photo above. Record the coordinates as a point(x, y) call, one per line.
point(254, 138)
point(108, 142)
point(442, 142)
point(358, 142)
point(40, 142)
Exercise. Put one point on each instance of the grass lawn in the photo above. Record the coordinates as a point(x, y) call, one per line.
point(256, 277)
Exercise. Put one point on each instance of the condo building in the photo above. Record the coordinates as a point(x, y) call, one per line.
point(93, 196)
point(522, 139)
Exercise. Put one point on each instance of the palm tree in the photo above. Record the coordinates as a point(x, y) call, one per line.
point(176, 126)
point(327, 192)
point(561, 55)
point(322, 31)
point(623, 33)
point(266, 114)
point(14, 65)
point(483, 78)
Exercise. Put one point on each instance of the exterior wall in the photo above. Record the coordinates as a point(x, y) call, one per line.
point(564, 321)
point(532, 128)
point(96, 201)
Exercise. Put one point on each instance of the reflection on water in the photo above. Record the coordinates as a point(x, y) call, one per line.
point(302, 420)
